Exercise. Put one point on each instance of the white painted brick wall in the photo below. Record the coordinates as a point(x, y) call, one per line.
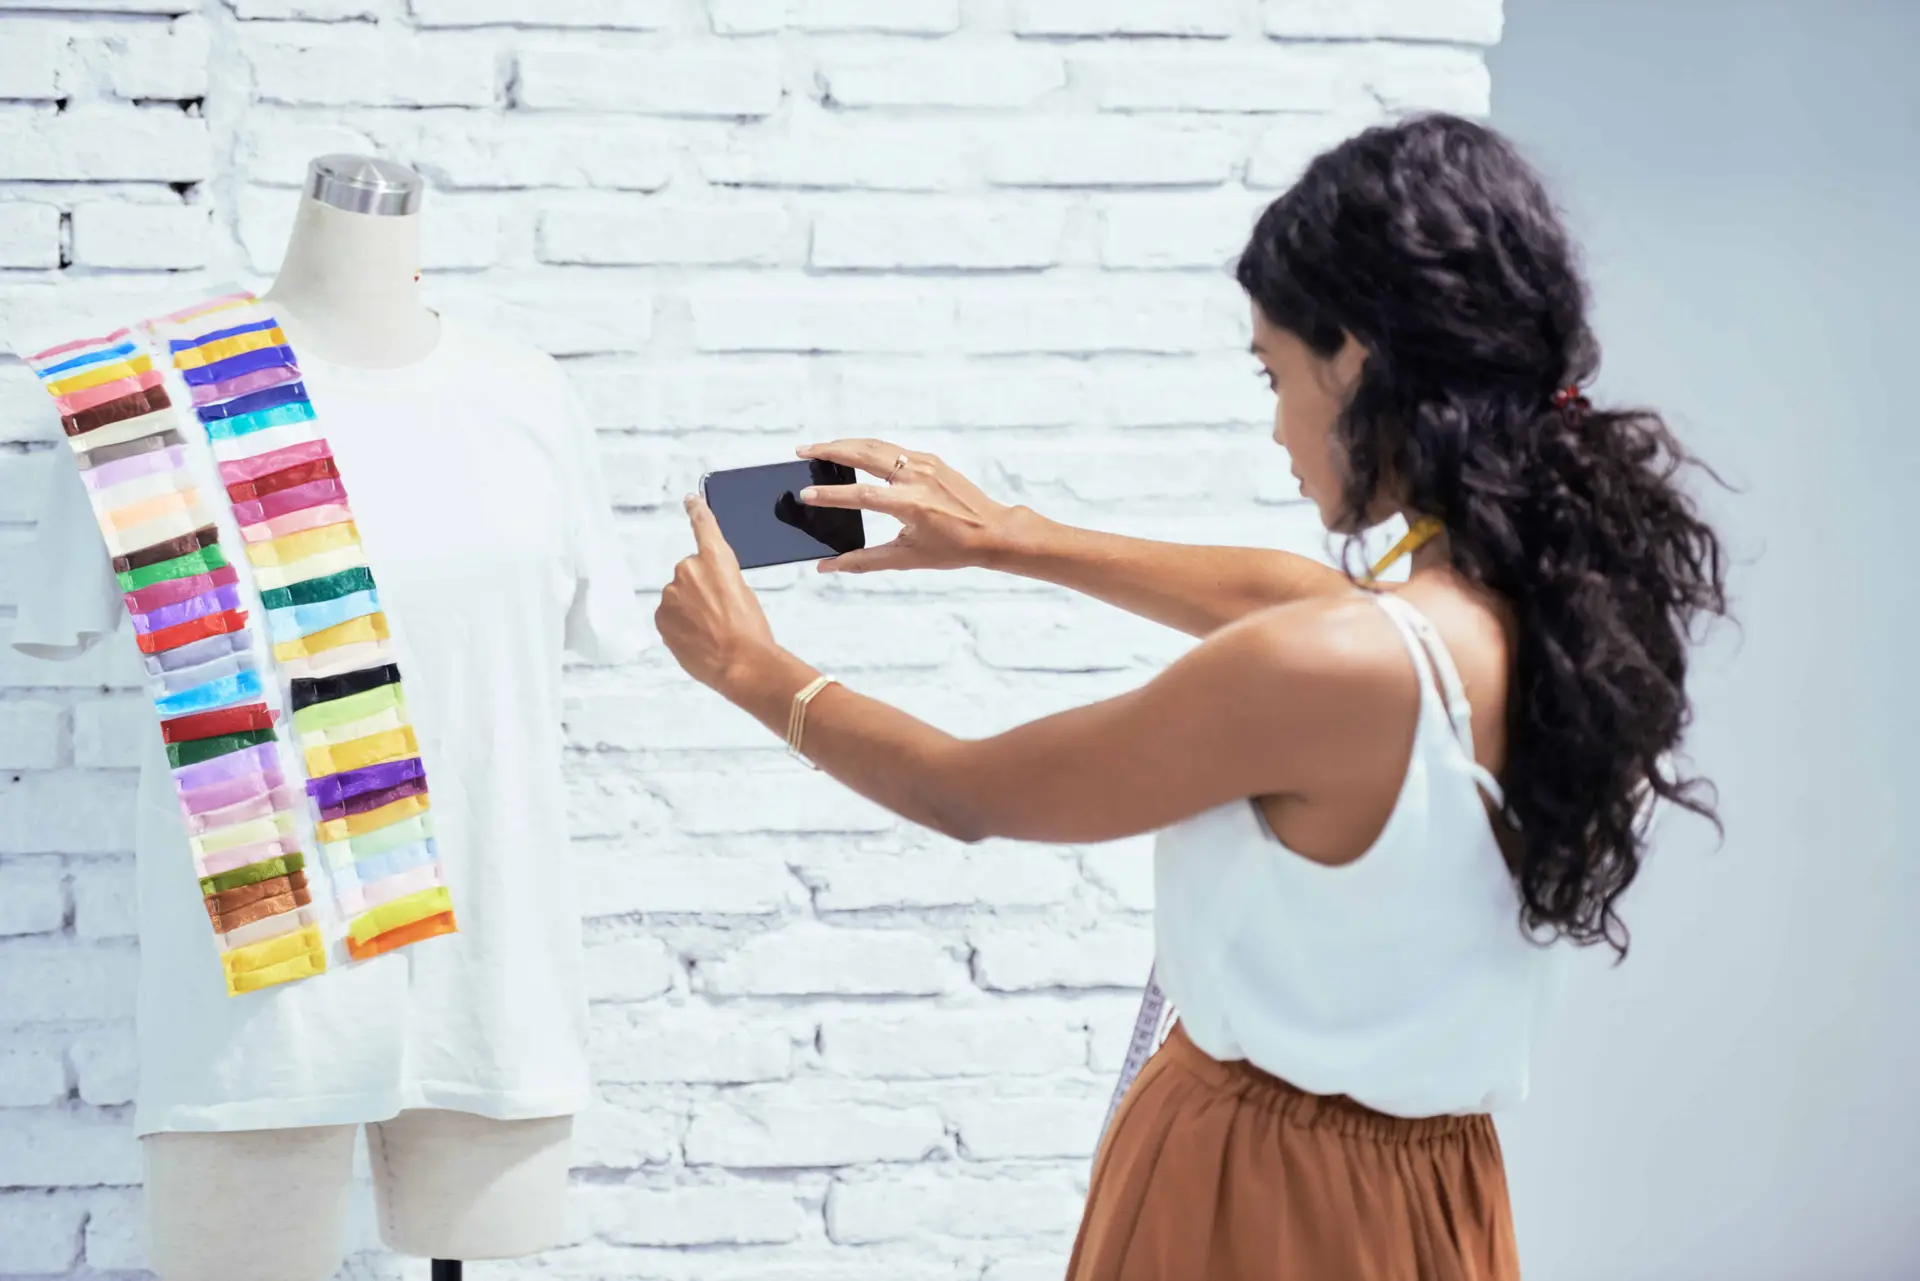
point(829, 1047)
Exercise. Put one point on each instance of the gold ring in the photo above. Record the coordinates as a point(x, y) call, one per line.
point(899, 464)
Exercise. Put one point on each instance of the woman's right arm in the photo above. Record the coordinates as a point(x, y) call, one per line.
point(949, 523)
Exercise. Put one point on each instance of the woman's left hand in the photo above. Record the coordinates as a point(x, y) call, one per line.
point(708, 616)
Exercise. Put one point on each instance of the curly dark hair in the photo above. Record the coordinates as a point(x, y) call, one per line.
point(1435, 245)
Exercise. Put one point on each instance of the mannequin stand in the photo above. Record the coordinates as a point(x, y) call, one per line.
point(446, 1270)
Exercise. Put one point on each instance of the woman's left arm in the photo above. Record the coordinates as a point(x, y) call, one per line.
point(1260, 708)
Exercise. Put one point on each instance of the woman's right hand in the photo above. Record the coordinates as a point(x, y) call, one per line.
point(946, 521)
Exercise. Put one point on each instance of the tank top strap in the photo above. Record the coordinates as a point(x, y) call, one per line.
point(1435, 662)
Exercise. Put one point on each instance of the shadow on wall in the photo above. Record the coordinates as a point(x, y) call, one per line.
point(1737, 1100)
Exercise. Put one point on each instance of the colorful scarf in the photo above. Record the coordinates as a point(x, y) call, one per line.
point(268, 654)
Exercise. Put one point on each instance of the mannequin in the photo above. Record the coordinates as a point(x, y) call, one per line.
point(450, 1185)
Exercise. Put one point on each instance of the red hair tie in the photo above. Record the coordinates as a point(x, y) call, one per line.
point(1569, 401)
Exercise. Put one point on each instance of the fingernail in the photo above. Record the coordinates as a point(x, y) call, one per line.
point(689, 501)
point(826, 567)
point(806, 495)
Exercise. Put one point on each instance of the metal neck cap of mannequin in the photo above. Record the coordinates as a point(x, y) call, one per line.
point(365, 185)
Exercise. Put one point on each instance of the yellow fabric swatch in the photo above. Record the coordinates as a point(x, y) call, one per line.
point(319, 565)
point(340, 829)
point(402, 911)
point(355, 631)
point(375, 749)
point(308, 542)
point(257, 956)
point(300, 967)
point(101, 375)
point(238, 345)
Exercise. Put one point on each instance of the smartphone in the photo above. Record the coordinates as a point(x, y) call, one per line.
point(765, 522)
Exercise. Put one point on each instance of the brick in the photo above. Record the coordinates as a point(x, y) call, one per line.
point(613, 1136)
point(68, 1149)
point(909, 234)
point(731, 84)
point(1107, 153)
point(670, 716)
point(1460, 22)
point(730, 395)
point(1218, 467)
point(144, 63)
point(29, 235)
point(949, 875)
point(165, 237)
point(43, 980)
point(856, 154)
point(720, 235)
point(1204, 391)
point(276, 145)
point(1406, 78)
point(113, 663)
point(30, 737)
point(116, 1231)
point(31, 59)
point(975, 396)
point(1054, 1125)
point(88, 813)
point(812, 959)
point(612, 801)
point(105, 905)
point(753, 1130)
point(1077, 636)
point(1101, 321)
point(791, 801)
point(616, 880)
point(916, 1204)
point(896, 17)
point(26, 414)
point(351, 66)
point(1084, 18)
point(31, 1073)
point(307, 10)
point(40, 1232)
point(1124, 869)
point(817, 318)
point(103, 6)
point(106, 1066)
point(102, 145)
point(1278, 79)
point(630, 970)
point(645, 1045)
point(730, 1214)
point(945, 78)
point(1029, 1267)
point(585, 320)
point(33, 895)
point(935, 1043)
point(1012, 959)
point(1157, 233)
point(632, 15)
point(112, 733)
point(1110, 1030)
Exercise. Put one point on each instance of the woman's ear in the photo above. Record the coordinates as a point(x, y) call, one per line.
point(1349, 360)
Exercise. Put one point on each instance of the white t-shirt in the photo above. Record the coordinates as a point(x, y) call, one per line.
point(473, 481)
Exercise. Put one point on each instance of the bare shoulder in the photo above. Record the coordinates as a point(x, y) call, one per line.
point(1335, 661)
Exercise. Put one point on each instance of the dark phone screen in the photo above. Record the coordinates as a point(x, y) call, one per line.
point(766, 525)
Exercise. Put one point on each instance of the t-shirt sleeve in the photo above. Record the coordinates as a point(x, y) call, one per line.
point(68, 595)
point(603, 623)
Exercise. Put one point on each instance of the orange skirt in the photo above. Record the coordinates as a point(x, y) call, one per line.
point(1220, 1172)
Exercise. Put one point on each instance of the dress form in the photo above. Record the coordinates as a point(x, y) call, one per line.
point(349, 285)
point(445, 1182)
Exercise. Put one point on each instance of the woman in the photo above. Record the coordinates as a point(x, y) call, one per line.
point(1377, 809)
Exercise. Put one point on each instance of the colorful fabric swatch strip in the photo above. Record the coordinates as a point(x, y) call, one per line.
point(244, 694)
point(323, 622)
point(193, 631)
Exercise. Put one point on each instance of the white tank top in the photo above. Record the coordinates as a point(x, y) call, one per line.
point(1402, 979)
